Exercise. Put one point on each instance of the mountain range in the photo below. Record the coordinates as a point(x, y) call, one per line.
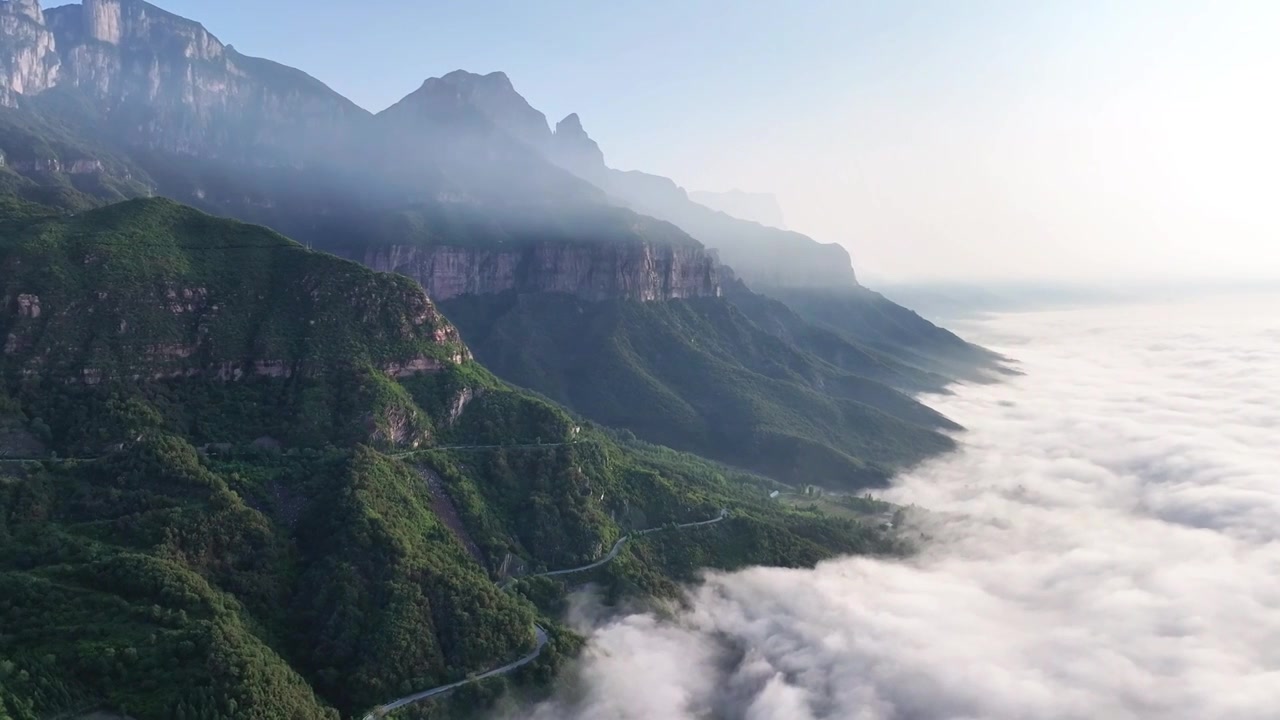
point(463, 186)
point(291, 384)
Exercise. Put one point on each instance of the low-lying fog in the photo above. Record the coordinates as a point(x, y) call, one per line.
point(1105, 547)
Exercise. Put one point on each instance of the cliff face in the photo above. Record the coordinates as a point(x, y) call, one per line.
point(589, 271)
point(544, 229)
point(168, 84)
point(202, 121)
point(29, 62)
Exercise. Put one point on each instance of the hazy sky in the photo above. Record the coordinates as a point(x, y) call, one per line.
point(1056, 139)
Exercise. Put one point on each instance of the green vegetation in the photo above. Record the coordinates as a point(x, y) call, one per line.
point(297, 496)
point(52, 157)
point(158, 585)
point(99, 306)
point(273, 484)
point(700, 375)
point(867, 318)
point(390, 603)
point(138, 286)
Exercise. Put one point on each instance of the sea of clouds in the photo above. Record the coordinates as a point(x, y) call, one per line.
point(1105, 545)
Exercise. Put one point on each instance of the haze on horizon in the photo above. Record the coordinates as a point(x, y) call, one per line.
point(993, 139)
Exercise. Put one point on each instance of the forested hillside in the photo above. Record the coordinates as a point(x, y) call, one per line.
point(699, 375)
point(241, 479)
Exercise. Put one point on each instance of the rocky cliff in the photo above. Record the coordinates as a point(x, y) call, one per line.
point(763, 256)
point(530, 225)
point(590, 271)
point(574, 149)
point(29, 62)
point(166, 83)
point(248, 138)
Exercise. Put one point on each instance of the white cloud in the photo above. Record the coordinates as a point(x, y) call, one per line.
point(1107, 545)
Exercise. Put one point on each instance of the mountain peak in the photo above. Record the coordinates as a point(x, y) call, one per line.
point(464, 81)
point(571, 124)
point(464, 77)
point(494, 97)
point(574, 149)
point(117, 22)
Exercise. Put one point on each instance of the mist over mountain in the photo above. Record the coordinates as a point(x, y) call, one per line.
point(308, 411)
point(465, 188)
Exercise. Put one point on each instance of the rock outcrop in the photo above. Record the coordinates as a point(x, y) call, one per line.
point(595, 272)
point(574, 149)
point(27, 8)
point(29, 61)
point(168, 84)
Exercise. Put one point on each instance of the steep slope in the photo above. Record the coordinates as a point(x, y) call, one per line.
point(296, 565)
point(46, 159)
point(229, 300)
point(553, 316)
point(509, 218)
point(478, 131)
point(843, 350)
point(784, 265)
point(28, 61)
point(135, 332)
point(816, 280)
point(165, 83)
point(152, 103)
point(871, 320)
point(700, 376)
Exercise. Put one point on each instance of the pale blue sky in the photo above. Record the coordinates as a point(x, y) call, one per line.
point(935, 138)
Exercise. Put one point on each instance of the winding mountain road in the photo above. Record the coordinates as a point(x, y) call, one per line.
point(617, 547)
point(382, 710)
point(398, 455)
point(525, 446)
point(8, 459)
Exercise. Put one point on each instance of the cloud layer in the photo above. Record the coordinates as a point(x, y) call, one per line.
point(1104, 546)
